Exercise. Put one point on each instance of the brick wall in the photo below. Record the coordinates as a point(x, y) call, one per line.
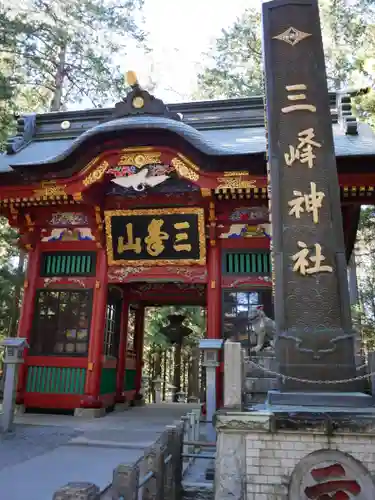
point(271, 458)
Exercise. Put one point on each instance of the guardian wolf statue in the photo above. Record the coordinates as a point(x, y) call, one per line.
point(264, 328)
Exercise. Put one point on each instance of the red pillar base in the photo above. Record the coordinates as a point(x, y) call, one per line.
point(120, 398)
point(88, 401)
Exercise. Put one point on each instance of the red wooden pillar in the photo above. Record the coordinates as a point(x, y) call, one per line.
point(27, 313)
point(95, 354)
point(214, 294)
point(121, 362)
point(138, 343)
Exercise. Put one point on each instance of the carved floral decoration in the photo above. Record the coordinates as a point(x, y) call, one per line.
point(64, 219)
point(63, 281)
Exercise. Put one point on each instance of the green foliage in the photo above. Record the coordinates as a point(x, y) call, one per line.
point(235, 67)
point(10, 278)
point(235, 62)
point(364, 312)
point(65, 50)
point(54, 53)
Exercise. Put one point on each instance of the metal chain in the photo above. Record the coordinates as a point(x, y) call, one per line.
point(307, 381)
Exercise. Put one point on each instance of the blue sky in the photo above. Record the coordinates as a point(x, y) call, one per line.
point(181, 31)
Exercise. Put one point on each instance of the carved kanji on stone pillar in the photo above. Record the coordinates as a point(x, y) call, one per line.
point(312, 310)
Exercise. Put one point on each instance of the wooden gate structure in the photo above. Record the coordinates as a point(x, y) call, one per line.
point(146, 204)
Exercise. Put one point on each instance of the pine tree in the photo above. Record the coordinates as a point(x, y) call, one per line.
point(55, 53)
point(364, 314)
point(66, 50)
point(235, 61)
point(11, 279)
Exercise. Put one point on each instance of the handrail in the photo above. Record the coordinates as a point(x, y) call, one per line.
point(163, 464)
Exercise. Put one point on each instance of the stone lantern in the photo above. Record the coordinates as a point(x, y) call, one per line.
point(175, 333)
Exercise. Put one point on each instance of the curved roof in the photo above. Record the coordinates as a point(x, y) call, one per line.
point(225, 128)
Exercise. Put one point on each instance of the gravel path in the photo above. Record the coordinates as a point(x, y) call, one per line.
point(29, 441)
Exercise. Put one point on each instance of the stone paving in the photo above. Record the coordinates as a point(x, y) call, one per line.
point(29, 441)
point(48, 451)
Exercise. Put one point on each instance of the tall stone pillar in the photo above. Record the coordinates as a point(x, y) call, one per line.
point(312, 308)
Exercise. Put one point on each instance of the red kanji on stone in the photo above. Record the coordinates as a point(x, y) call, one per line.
point(330, 487)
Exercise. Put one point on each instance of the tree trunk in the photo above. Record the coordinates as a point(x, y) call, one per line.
point(165, 373)
point(177, 369)
point(194, 373)
point(202, 380)
point(353, 281)
point(149, 373)
point(186, 371)
point(56, 102)
point(157, 357)
point(17, 295)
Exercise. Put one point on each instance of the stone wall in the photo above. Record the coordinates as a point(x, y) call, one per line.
point(258, 457)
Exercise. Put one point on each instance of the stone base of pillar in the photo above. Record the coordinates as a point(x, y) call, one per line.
point(332, 399)
point(20, 409)
point(263, 455)
point(122, 406)
point(138, 401)
point(89, 412)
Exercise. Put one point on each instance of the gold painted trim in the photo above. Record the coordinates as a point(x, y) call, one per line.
point(89, 165)
point(188, 162)
point(49, 189)
point(139, 159)
point(206, 192)
point(235, 173)
point(235, 183)
point(183, 170)
point(156, 211)
point(97, 174)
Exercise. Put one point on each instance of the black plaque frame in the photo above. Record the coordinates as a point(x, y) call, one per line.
point(196, 214)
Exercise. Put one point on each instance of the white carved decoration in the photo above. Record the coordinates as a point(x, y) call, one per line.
point(140, 180)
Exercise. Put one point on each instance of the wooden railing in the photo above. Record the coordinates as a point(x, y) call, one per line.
point(155, 476)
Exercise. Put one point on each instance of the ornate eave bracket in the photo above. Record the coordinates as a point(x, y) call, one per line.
point(26, 127)
point(140, 102)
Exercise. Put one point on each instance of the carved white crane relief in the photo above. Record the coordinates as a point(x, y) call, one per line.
point(140, 180)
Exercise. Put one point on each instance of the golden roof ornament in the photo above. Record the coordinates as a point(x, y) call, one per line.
point(131, 79)
point(139, 101)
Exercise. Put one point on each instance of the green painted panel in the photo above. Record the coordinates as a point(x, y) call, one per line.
point(68, 264)
point(248, 262)
point(266, 266)
point(129, 381)
point(108, 381)
point(242, 263)
point(230, 263)
point(55, 380)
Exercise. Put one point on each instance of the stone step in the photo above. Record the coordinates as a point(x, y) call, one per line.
point(267, 363)
point(260, 385)
point(253, 399)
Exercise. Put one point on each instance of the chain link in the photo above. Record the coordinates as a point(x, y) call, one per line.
point(309, 381)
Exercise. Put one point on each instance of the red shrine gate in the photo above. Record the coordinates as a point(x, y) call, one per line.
point(93, 268)
point(133, 206)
